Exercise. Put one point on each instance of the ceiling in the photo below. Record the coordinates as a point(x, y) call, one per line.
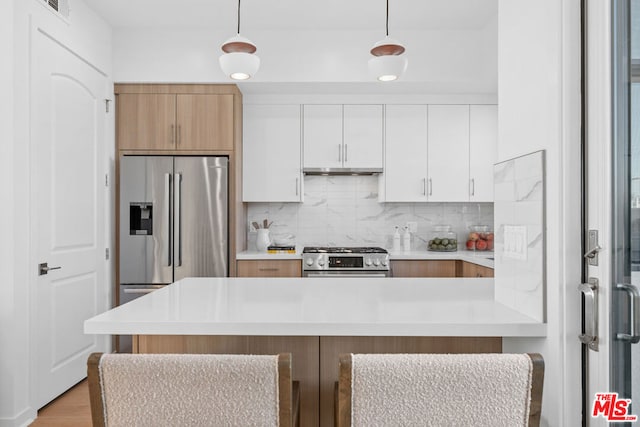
point(315, 15)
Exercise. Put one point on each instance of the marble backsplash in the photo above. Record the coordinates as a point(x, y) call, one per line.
point(520, 234)
point(344, 211)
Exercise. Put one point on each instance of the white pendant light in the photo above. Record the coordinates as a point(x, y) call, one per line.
point(388, 62)
point(239, 60)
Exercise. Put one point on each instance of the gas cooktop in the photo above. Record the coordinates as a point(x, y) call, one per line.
point(343, 250)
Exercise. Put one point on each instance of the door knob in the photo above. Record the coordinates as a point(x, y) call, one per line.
point(44, 268)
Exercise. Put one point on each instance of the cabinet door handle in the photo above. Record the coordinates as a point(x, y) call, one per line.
point(268, 269)
point(297, 188)
point(340, 153)
point(473, 187)
point(430, 187)
point(178, 138)
point(173, 134)
point(346, 159)
point(424, 186)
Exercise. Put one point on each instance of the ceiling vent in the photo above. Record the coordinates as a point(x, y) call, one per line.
point(60, 6)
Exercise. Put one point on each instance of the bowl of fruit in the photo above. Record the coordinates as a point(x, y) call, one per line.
point(442, 239)
point(480, 239)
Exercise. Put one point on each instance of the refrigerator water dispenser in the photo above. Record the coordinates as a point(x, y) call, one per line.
point(141, 219)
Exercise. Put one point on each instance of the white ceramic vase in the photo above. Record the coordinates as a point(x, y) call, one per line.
point(263, 241)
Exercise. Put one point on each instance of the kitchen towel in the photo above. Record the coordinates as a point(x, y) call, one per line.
point(189, 390)
point(441, 390)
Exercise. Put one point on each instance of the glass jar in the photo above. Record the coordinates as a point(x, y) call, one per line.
point(480, 238)
point(442, 239)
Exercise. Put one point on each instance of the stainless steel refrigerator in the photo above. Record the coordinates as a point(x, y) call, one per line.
point(173, 221)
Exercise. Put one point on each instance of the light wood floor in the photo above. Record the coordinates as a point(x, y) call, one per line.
point(72, 409)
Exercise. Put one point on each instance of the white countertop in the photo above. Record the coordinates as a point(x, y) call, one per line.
point(481, 258)
point(319, 307)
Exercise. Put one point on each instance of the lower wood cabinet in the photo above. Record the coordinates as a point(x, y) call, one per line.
point(474, 270)
point(438, 268)
point(269, 268)
point(422, 268)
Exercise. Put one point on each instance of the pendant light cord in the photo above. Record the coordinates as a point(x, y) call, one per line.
point(387, 18)
point(239, 15)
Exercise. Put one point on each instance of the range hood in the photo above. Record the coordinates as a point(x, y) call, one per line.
point(342, 171)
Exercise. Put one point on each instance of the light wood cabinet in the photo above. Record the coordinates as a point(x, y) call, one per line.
point(474, 270)
point(271, 154)
point(146, 121)
point(423, 268)
point(195, 122)
point(270, 268)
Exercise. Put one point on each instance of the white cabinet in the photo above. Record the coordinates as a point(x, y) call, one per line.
point(448, 157)
point(337, 136)
point(483, 138)
point(405, 172)
point(439, 153)
point(362, 137)
point(271, 154)
point(322, 136)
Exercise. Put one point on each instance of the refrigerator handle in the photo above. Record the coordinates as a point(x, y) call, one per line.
point(178, 216)
point(167, 206)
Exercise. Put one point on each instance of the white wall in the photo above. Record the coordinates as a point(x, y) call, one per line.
point(88, 36)
point(444, 61)
point(539, 109)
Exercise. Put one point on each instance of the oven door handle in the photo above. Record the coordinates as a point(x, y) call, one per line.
point(345, 275)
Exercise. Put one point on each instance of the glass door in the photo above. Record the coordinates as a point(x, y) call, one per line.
point(612, 210)
point(625, 278)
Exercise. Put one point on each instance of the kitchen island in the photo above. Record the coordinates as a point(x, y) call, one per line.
point(316, 319)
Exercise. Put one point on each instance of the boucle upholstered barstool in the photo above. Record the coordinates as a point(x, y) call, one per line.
point(440, 390)
point(192, 390)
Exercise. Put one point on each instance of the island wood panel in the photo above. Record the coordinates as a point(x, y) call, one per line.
point(332, 347)
point(270, 268)
point(474, 270)
point(304, 355)
point(423, 268)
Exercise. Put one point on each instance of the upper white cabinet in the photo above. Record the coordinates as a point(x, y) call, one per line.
point(362, 137)
point(337, 136)
point(483, 138)
point(271, 154)
point(322, 136)
point(439, 153)
point(405, 172)
point(448, 156)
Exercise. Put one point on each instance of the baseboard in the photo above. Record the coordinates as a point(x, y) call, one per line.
point(23, 419)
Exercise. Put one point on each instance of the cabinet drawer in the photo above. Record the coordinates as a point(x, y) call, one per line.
point(421, 268)
point(473, 270)
point(268, 268)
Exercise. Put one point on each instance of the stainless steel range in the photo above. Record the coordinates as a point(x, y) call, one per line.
point(345, 262)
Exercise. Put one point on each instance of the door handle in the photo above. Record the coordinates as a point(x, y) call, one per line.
point(590, 292)
point(44, 268)
point(167, 193)
point(178, 216)
point(593, 252)
point(634, 321)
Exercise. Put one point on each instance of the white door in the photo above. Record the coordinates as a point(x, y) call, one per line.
point(271, 153)
point(362, 136)
point(68, 199)
point(613, 210)
point(483, 141)
point(322, 136)
point(405, 170)
point(448, 159)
